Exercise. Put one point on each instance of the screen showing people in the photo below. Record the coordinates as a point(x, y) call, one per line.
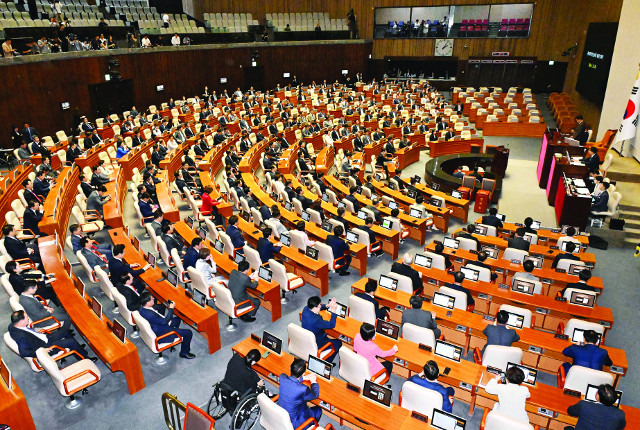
point(272, 343)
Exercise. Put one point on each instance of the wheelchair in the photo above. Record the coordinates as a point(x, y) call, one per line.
point(244, 409)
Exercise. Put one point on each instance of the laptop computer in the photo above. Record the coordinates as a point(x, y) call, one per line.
point(422, 261)
point(521, 286)
point(445, 421)
point(582, 299)
point(515, 320)
point(450, 242)
point(388, 282)
point(530, 374)
point(448, 350)
point(443, 300)
point(387, 329)
point(470, 274)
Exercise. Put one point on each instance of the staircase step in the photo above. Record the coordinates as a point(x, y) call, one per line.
point(629, 208)
point(630, 216)
point(623, 176)
point(631, 242)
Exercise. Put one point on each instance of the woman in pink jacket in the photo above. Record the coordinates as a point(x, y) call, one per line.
point(363, 345)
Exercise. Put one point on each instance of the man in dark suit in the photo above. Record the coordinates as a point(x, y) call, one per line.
point(468, 234)
point(29, 194)
point(117, 266)
point(29, 340)
point(492, 219)
point(16, 248)
point(295, 394)
point(191, 255)
point(19, 278)
point(76, 237)
point(170, 240)
point(591, 159)
point(518, 242)
point(568, 255)
point(239, 281)
point(265, 248)
point(41, 185)
point(73, 152)
point(237, 240)
point(601, 415)
point(305, 201)
point(588, 353)
point(352, 198)
point(482, 256)
point(265, 212)
point(580, 131)
point(146, 210)
point(458, 277)
point(32, 216)
point(498, 333)
point(583, 276)
point(601, 201)
point(163, 324)
point(39, 311)
point(128, 290)
point(339, 247)
point(369, 292)
point(28, 133)
point(87, 188)
point(312, 321)
point(93, 257)
point(418, 316)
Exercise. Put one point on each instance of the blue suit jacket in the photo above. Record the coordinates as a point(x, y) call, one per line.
point(338, 246)
point(158, 324)
point(317, 325)
point(446, 392)
point(117, 267)
point(588, 355)
point(75, 243)
point(294, 396)
point(598, 205)
point(236, 237)
point(500, 335)
point(28, 343)
point(41, 188)
point(190, 258)
point(597, 416)
point(266, 249)
point(145, 208)
point(265, 212)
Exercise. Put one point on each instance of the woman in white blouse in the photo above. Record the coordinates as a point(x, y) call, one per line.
point(512, 396)
point(207, 267)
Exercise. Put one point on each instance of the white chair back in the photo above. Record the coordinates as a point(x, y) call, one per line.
point(199, 283)
point(575, 323)
point(526, 313)
point(497, 421)
point(420, 399)
point(272, 416)
point(514, 254)
point(362, 310)
point(437, 260)
point(354, 368)
point(499, 356)
point(404, 282)
point(302, 342)
point(578, 378)
point(461, 297)
point(417, 334)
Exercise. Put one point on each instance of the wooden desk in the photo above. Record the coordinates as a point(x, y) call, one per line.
point(92, 156)
point(544, 234)
point(10, 185)
point(59, 203)
point(407, 156)
point(134, 159)
point(224, 208)
point(560, 166)
point(117, 189)
point(268, 293)
point(324, 160)
point(459, 207)
point(522, 128)
point(14, 410)
point(571, 208)
point(455, 146)
point(116, 355)
point(203, 320)
point(165, 198)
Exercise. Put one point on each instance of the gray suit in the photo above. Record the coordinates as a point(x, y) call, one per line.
point(499, 335)
point(421, 318)
point(238, 284)
point(24, 154)
point(36, 312)
point(95, 202)
point(94, 260)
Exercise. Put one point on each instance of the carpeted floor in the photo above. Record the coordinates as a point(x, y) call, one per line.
point(109, 406)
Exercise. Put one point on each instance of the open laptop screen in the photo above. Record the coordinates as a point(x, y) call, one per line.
point(443, 300)
point(450, 242)
point(515, 320)
point(422, 260)
point(582, 299)
point(445, 421)
point(388, 283)
point(523, 286)
point(388, 329)
point(530, 374)
point(470, 274)
point(320, 367)
point(448, 350)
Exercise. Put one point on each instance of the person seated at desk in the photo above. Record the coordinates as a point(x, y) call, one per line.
point(192, 254)
point(239, 281)
point(207, 267)
point(125, 287)
point(16, 248)
point(147, 208)
point(340, 219)
point(583, 276)
point(32, 216)
point(492, 219)
point(603, 415)
point(302, 164)
point(170, 240)
point(340, 249)
point(266, 249)
point(97, 199)
point(512, 396)
point(210, 206)
point(76, 236)
point(518, 241)
point(18, 278)
point(591, 159)
point(122, 150)
point(312, 320)
point(294, 394)
point(41, 185)
point(528, 267)
point(241, 377)
point(364, 345)
point(117, 266)
point(428, 379)
point(568, 255)
point(373, 241)
point(29, 193)
point(275, 219)
point(439, 249)
point(23, 151)
point(352, 198)
point(86, 186)
point(587, 354)
point(601, 201)
point(158, 222)
point(40, 312)
point(458, 277)
point(73, 152)
point(289, 189)
point(93, 257)
point(29, 340)
point(382, 312)
point(268, 162)
point(417, 316)
point(449, 134)
point(433, 136)
point(528, 221)
point(373, 207)
point(498, 333)
point(305, 201)
point(301, 227)
point(163, 324)
point(468, 234)
point(98, 177)
point(480, 262)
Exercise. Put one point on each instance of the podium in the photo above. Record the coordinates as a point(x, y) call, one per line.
point(572, 208)
point(559, 167)
point(552, 143)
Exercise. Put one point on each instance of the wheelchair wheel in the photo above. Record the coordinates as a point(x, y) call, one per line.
point(247, 414)
point(215, 408)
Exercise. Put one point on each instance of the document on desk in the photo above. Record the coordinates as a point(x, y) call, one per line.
point(583, 191)
point(578, 182)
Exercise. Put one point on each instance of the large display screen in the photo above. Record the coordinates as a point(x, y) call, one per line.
point(596, 60)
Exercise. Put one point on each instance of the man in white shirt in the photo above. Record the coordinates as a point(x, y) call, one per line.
point(145, 42)
point(165, 20)
point(175, 40)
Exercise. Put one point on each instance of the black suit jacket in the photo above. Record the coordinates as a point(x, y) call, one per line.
point(15, 248)
point(30, 220)
point(132, 298)
point(117, 268)
point(28, 343)
point(518, 243)
point(86, 188)
point(410, 272)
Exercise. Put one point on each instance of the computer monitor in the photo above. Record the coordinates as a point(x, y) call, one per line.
point(190, 221)
point(575, 269)
point(341, 310)
point(521, 286)
point(535, 225)
point(416, 213)
point(515, 320)
point(481, 229)
point(239, 258)
point(435, 202)
point(411, 194)
point(119, 330)
point(5, 374)
point(285, 239)
point(327, 226)
point(306, 216)
point(312, 252)
point(578, 336)
point(272, 343)
point(446, 421)
point(422, 260)
point(352, 237)
point(388, 282)
point(320, 367)
point(96, 307)
point(394, 205)
point(151, 259)
point(136, 243)
point(582, 299)
point(592, 390)
point(456, 194)
point(490, 251)
point(288, 205)
point(80, 286)
point(265, 274)
point(199, 298)
point(470, 274)
point(448, 350)
point(450, 242)
point(202, 232)
point(527, 237)
point(501, 217)
point(362, 215)
point(387, 329)
point(219, 246)
point(536, 260)
point(377, 393)
point(530, 374)
point(341, 205)
point(172, 277)
point(443, 300)
point(386, 224)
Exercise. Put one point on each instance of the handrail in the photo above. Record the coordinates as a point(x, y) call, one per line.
point(174, 410)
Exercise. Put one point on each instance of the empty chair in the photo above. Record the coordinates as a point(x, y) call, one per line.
point(226, 304)
point(492, 420)
point(362, 310)
point(354, 369)
point(157, 344)
point(274, 417)
point(579, 377)
point(302, 343)
point(512, 254)
point(437, 260)
point(417, 334)
point(467, 244)
point(575, 323)
point(404, 282)
point(287, 281)
point(420, 399)
point(71, 379)
point(498, 356)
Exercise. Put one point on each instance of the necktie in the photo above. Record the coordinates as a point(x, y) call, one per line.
point(100, 256)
